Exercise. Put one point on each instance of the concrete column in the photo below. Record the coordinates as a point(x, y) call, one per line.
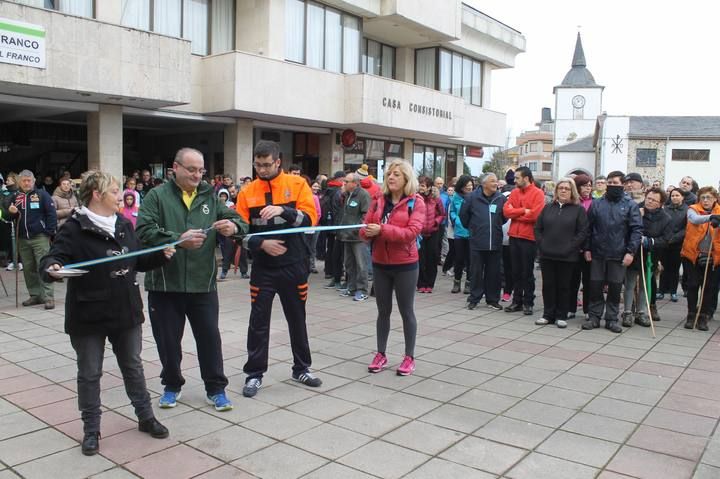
point(326, 154)
point(105, 140)
point(408, 147)
point(486, 77)
point(238, 149)
point(109, 11)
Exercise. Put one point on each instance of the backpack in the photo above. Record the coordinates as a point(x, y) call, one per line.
point(411, 205)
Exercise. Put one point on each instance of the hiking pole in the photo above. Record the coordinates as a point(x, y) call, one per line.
point(15, 225)
point(645, 286)
point(707, 266)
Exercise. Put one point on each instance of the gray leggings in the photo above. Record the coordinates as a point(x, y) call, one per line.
point(403, 282)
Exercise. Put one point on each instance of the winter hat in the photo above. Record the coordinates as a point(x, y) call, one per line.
point(510, 177)
point(363, 171)
point(582, 180)
point(633, 177)
point(338, 174)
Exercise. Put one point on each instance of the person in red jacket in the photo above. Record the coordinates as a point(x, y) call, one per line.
point(523, 207)
point(394, 220)
point(431, 234)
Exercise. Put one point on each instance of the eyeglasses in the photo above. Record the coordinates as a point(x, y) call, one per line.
point(564, 188)
point(263, 166)
point(192, 170)
point(707, 197)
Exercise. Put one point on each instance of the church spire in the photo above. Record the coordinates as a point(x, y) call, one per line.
point(579, 56)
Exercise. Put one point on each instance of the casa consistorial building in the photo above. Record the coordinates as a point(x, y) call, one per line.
point(121, 84)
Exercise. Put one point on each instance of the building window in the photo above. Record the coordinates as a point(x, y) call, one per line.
point(578, 113)
point(208, 24)
point(81, 8)
point(691, 155)
point(646, 157)
point(533, 147)
point(434, 161)
point(321, 37)
point(372, 153)
point(378, 59)
point(532, 165)
point(449, 72)
point(547, 167)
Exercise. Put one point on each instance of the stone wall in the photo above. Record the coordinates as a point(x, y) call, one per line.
point(648, 173)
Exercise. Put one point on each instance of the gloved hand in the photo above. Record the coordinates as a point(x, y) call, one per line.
point(715, 221)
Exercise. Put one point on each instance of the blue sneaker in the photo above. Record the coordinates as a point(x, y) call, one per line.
point(169, 399)
point(220, 401)
point(360, 296)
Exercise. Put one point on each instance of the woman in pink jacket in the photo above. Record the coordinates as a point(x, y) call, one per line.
point(431, 234)
point(394, 220)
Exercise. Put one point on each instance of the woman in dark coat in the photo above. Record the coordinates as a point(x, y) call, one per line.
point(105, 302)
point(670, 277)
point(560, 230)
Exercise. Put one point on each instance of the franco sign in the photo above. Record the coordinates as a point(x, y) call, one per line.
point(22, 43)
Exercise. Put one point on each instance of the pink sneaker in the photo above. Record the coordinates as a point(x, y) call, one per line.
point(378, 363)
point(506, 297)
point(406, 367)
point(428, 290)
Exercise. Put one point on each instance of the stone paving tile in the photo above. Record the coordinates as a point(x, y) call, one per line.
point(574, 447)
point(230, 443)
point(369, 421)
point(33, 445)
point(683, 403)
point(64, 465)
point(384, 459)
point(322, 407)
point(681, 422)
point(40, 396)
point(704, 472)
point(486, 401)
point(634, 394)
point(540, 413)
point(131, 445)
point(600, 427)
point(561, 397)
point(280, 424)
point(650, 465)
point(225, 472)
point(457, 418)
point(514, 432)
point(335, 471)
point(329, 441)
point(423, 437)
point(668, 442)
point(193, 424)
point(509, 386)
point(484, 455)
point(580, 383)
point(17, 423)
point(406, 405)
point(627, 411)
point(540, 466)
point(441, 469)
point(178, 462)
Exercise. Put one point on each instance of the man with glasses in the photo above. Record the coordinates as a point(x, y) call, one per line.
point(187, 209)
point(356, 202)
point(277, 201)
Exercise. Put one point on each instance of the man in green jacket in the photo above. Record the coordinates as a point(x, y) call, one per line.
point(187, 209)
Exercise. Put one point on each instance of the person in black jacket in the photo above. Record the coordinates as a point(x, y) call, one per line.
point(615, 232)
point(36, 225)
point(331, 206)
point(482, 214)
point(677, 209)
point(560, 231)
point(656, 235)
point(105, 302)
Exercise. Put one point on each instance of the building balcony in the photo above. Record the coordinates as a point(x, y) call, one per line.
point(92, 61)
point(251, 86)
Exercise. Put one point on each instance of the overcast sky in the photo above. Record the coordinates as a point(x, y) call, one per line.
point(653, 57)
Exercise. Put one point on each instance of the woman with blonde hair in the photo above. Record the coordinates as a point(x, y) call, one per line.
point(394, 220)
point(105, 302)
point(560, 231)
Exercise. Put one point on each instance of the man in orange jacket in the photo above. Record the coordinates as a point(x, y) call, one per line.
point(276, 201)
point(523, 207)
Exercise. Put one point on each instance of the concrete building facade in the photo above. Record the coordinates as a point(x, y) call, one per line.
point(127, 82)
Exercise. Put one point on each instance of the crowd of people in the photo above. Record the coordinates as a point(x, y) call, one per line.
point(601, 244)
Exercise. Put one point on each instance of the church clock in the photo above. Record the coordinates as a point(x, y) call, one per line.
point(578, 101)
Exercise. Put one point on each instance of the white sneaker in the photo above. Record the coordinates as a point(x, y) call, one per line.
point(561, 323)
point(10, 266)
point(20, 266)
point(541, 321)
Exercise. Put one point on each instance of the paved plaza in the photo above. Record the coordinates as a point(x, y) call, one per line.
point(493, 396)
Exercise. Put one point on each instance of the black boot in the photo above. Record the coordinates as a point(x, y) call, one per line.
point(456, 286)
point(591, 324)
point(513, 308)
point(91, 443)
point(153, 427)
point(627, 319)
point(654, 313)
point(703, 322)
point(690, 321)
point(613, 326)
point(467, 288)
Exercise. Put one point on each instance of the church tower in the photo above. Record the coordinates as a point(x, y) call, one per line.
point(578, 103)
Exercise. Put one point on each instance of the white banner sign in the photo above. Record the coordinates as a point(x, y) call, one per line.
point(22, 43)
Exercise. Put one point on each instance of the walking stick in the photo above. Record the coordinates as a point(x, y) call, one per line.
point(707, 266)
point(647, 300)
point(16, 226)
